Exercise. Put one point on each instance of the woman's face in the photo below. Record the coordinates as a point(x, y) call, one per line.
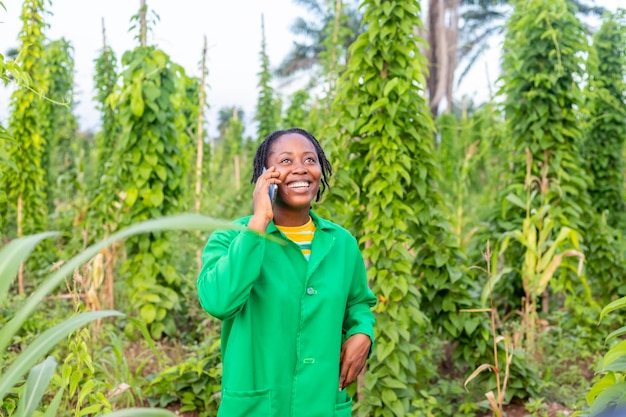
point(295, 158)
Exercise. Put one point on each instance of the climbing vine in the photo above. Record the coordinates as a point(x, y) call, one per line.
point(607, 111)
point(26, 186)
point(151, 169)
point(383, 137)
point(267, 108)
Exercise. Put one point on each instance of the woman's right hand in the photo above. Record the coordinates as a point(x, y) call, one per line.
point(263, 213)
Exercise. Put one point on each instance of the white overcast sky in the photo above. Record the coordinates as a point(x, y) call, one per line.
point(233, 31)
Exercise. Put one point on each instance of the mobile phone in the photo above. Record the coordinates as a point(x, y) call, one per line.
point(272, 190)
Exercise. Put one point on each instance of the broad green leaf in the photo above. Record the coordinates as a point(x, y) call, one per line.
point(620, 303)
point(619, 332)
point(491, 285)
point(36, 385)
point(11, 257)
point(606, 397)
point(614, 353)
point(601, 385)
point(178, 222)
point(44, 343)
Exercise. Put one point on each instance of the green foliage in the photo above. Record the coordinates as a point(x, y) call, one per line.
point(608, 392)
point(542, 69)
point(82, 391)
point(26, 186)
point(194, 384)
point(105, 78)
point(230, 168)
point(150, 168)
point(297, 114)
point(382, 139)
point(542, 66)
point(607, 110)
point(11, 256)
point(64, 151)
point(267, 111)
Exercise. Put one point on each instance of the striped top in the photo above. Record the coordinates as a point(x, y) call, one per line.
point(301, 235)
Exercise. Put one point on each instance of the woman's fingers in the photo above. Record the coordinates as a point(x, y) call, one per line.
point(354, 353)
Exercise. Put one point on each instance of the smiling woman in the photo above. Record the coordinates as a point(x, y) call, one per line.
point(296, 310)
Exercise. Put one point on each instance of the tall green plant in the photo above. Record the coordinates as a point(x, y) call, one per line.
point(63, 145)
point(383, 151)
point(608, 392)
point(11, 257)
point(607, 110)
point(151, 168)
point(267, 112)
point(542, 67)
point(298, 111)
point(105, 78)
point(27, 186)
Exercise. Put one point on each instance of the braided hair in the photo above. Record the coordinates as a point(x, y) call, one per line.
point(262, 151)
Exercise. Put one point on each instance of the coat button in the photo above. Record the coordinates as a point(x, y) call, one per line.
point(311, 291)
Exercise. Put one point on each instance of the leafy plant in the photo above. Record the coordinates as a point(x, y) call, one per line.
point(381, 137)
point(26, 187)
point(194, 384)
point(150, 169)
point(267, 111)
point(605, 135)
point(496, 400)
point(608, 392)
point(543, 252)
point(11, 256)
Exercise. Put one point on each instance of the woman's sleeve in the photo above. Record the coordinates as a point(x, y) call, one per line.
point(231, 263)
point(359, 317)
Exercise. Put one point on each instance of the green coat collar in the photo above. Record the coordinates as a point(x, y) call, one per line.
point(322, 244)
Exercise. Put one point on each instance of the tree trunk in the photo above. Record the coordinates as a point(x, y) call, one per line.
point(452, 33)
point(200, 145)
point(437, 57)
point(143, 28)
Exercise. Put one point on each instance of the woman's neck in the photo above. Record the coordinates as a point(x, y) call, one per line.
point(290, 218)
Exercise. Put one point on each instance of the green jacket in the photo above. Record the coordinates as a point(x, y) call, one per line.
point(284, 318)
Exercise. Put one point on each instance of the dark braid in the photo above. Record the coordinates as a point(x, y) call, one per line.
point(262, 151)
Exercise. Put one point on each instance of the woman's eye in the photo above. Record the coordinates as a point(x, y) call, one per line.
point(285, 161)
point(310, 160)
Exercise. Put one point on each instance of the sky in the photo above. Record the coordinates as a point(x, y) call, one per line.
point(233, 31)
point(232, 28)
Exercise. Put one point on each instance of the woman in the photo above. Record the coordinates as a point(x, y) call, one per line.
point(297, 322)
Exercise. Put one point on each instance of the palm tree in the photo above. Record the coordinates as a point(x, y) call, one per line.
point(314, 32)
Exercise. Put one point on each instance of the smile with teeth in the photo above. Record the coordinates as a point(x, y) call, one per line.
point(299, 184)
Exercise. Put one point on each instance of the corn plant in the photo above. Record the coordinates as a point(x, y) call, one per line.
point(496, 400)
point(40, 375)
point(608, 392)
point(544, 242)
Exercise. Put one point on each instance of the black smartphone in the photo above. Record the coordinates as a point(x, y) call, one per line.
point(272, 190)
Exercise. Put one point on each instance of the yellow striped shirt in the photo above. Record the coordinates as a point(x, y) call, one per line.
point(301, 235)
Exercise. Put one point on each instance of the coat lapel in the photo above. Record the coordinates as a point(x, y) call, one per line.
point(322, 244)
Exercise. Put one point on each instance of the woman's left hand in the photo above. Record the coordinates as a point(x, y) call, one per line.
point(354, 353)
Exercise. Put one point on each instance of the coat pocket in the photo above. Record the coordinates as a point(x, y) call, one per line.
point(344, 409)
point(257, 403)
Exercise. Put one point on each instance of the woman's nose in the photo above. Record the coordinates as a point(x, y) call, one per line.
point(299, 168)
